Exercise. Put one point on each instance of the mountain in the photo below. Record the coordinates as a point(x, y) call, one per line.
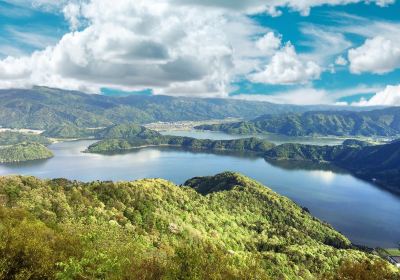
point(382, 122)
point(233, 228)
point(24, 152)
point(46, 108)
point(43, 108)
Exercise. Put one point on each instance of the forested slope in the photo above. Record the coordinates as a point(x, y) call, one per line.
point(46, 108)
point(153, 229)
point(382, 122)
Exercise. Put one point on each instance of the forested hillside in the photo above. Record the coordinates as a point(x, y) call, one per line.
point(234, 228)
point(44, 108)
point(24, 152)
point(12, 137)
point(379, 164)
point(382, 122)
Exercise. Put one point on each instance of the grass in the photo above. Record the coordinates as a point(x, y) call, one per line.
point(393, 251)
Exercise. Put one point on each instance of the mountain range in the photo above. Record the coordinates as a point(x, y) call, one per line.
point(45, 108)
point(379, 122)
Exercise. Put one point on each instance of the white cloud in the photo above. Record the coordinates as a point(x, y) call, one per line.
point(286, 67)
point(72, 13)
point(269, 43)
point(326, 44)
point(301, 96)
point(390, 96)
point(30, 38)
point(273, 6)
point(171, 46)
point(377, 55)
point(137, 44)
point(310, 96)
point(341, 61)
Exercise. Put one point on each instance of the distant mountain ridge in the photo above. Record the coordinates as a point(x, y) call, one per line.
point(43, 108)
point(381, 122)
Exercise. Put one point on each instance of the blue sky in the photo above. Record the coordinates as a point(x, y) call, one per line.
point(286, 53)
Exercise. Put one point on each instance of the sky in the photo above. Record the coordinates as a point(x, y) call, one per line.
point(283, 51)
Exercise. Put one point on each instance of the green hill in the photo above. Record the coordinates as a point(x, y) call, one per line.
point(153, 229)
point(12, 137)
point(126, 131)
point(382, 122)
point(69, 131)
point(24, 152)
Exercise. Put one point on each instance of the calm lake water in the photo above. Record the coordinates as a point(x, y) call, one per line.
point(363, 212)
point(277, 139)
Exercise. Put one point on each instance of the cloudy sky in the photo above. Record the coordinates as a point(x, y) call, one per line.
point(284, 51)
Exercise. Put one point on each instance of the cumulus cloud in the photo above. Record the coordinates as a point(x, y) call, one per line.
point(137, 44)
point(286, 68)
point(390, 96)
point(377, 55)
point(171, 46)
point(269, 43)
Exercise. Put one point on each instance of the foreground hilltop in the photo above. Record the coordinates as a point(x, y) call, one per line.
point(222, 227)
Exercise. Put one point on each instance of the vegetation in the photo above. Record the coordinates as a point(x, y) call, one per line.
point(132, 136)
point(383, 122)
point(11, 138)
point(69, 131)
point(126, 131)
point(379, 164)
point(24, 152)
point(45, 108)
point(152, 229)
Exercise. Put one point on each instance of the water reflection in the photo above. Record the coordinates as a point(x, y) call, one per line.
point(363, 212)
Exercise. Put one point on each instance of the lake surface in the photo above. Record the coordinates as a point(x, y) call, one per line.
point(277, 139)
point(363, 212)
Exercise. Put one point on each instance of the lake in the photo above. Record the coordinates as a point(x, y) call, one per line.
point(365, 213)
point(277, 139)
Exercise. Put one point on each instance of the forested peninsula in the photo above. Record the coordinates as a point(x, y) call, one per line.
point(379, 164)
